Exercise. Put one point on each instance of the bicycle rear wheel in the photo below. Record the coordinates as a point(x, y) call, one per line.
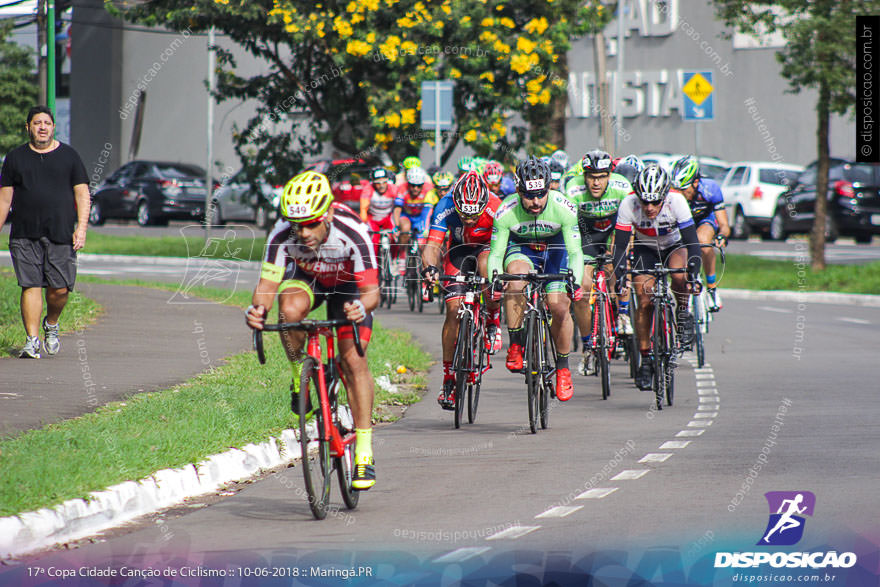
point(547, 357)
point(658, 352)
point(461, 366)
point(533, 371)
point(345, 464)
point(633, 356)
point(479, 349)
point(602, 345)
point(316, 464)
point(669, 365)
point(700, 314)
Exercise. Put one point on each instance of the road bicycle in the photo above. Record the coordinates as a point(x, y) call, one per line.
point(539, 353)
point(604, 340)
point(412, 275)
point(387, 278)
point(699, 306)
point(665, 347)
point(471, 358)
point(326, 427)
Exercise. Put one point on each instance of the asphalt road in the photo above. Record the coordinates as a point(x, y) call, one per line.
point(609, 488)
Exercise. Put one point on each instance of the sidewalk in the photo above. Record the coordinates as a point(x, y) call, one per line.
point(141, 343)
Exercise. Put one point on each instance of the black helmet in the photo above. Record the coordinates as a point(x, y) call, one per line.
point(596, 161)
point(379, 173)
point(628, 171)
point(556, 170)
point(652, 183)
point(532, 177)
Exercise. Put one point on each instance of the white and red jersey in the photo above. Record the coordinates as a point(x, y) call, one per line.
point(661, 232)
point(345, 256)
point(381, 205)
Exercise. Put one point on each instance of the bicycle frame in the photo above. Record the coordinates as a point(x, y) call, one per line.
point(471, 304)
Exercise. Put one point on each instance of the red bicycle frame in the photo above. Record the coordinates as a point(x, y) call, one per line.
point(337, 442)
point(600, 284)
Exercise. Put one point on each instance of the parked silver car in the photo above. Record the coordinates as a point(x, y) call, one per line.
point(237, 201)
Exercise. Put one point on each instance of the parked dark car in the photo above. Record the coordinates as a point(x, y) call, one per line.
point(348, 177)
point(853, 202)
point(152, 192)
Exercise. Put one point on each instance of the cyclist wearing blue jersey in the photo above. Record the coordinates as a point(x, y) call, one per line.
point(707, 206)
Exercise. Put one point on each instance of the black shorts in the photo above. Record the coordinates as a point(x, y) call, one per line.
point(460, 259)
point(645, 256)
point(335, 297)
point(595, 243)
point(42, 263)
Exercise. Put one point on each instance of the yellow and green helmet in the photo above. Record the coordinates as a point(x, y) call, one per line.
point(306, 197)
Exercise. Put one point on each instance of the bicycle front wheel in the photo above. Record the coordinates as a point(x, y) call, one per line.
point(658, 351)
point(461, 365)
point(533, 370)
point(345, 464)
point(546, 357)
point(603, 343)
point(668, 363)
point(316, 465)
point(480, 357)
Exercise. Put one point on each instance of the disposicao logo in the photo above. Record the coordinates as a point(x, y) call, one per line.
point(785, 528)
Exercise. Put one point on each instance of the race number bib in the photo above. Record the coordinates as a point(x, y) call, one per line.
point(534, 185)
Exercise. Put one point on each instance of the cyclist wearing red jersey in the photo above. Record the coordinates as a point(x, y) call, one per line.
point(492, 174)
point(412, 208)
point(320, 250)
point(377, 203)
point(466, 215)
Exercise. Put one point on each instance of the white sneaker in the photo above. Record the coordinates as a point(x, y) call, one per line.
point(588, 364)
point(53, 344)
point(31, 348)
point(624, 326)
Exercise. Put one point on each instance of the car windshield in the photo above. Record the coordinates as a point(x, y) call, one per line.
point(777, 176)
point(863, 173)
point(716, 172)
point(179, 171)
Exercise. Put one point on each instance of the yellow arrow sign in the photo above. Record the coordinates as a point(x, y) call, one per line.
point(697, 89)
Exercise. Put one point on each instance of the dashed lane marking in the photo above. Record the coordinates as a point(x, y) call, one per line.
point(559, 511)
point(597, 493)
point(513, 532)
point(655, 457)
point(671, 444)
point(462, 554)
point(630, 474)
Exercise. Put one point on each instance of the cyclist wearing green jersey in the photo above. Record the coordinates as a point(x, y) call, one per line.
point(536, 230)
point(597, 193)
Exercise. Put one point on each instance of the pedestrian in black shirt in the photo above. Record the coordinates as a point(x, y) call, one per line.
point(46, 184)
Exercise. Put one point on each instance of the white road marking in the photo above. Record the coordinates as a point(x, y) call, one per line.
point(462, 554)
point(702, 376)
point(10, 394)
point(703, 369)
point(772, 309)
point(597, 493)
point(707, 391)
point(706, 415)
point(655, 457)
point(690, 433)
point(854, 320)
point(670, 444)
point(560, 511)
point(709, 399)
point(705, 384)
point(707, 408)
point(513, 532)
point(630, 474)
point(699, 423)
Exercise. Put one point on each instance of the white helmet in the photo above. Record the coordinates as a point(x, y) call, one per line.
point(416, 176)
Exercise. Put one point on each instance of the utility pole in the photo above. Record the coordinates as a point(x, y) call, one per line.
point(209, 177)
point(50, 56)
point(42, 51)
point(618, 81)
point(602, 88)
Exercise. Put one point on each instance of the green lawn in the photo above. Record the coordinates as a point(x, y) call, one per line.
point(230, 406)
point(746, 272)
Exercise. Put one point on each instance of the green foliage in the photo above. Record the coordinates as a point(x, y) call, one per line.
point(350, 73)
point(18, 89)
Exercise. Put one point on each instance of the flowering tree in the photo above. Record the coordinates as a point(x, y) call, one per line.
point(350, 73)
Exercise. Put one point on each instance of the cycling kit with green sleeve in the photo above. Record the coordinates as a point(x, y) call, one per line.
point(550, 242)
point(596, 216)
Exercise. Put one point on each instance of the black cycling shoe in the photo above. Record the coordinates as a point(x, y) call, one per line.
point(645, 376)
point(686, 329)
point(294, 400)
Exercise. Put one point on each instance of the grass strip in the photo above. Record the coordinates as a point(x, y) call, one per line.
point(232, 405)
point(747, 272)
point(79, 312)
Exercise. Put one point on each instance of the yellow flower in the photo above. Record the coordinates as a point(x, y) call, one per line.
point(544, 96)
point(292, 28)
point(519, 63)
point(358, 48)
point(547, 46)
point(352, 6)
point(389, 47)
point(463, 57)
point(501, 47)
point(390, 2)
point(508, 22)
point(445, 8)
point(356, 18)
point(405, 22)
point(525, 45)
point(488, 21)
point(408, 48)
point(428, 59)
point(533, 86)
point(320, 29)
point(373, 110)
point(454, 73)
point(382, 138)
point(465, 20)
point(536, 26)
point(408, 116)
point(500, 7)
point(499, 128)
point(371, 37)
point(532, 99)
point(393, 120)
point(559, 82)
point(488, 76)
point(343, 28)
point(488, 37)
point(470, 136)
point(371, 4)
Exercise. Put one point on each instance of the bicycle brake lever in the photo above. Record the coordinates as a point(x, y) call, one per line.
point(357, 339)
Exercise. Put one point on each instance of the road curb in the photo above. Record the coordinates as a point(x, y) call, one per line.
point(30, 532)
point(803, 297)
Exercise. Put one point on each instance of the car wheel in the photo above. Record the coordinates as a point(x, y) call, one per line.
point(831, 230)
point(216, 214)
point(777, 226)
point(863, 238)
point(96, 214)
point(740, 225)
point(144, 216)
point(262, 217)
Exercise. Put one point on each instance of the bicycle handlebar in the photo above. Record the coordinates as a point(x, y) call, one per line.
point(308, 326)
point(534, 277)
point(658, 271)
point(472, 278)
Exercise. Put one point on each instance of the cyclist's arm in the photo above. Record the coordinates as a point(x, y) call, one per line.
point(498, 244)
point(433, 250)
point(688, 230)
point(398, 209)
point(365, 204)
point(622, 234)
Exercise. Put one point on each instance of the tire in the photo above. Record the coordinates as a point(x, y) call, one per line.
point(670, 382)
point(863, 238)
point(533, 372)
point(96, 214)
point(576, 341)
point(144, 216)
point(316, 465)
point(411, 293)
point(739, 225)
point(216, 215)
point(474, 388)
point(633, 356)
point(462, 365)
point(604, 367)
point(658, 352)
point(546, 390)
point(832, 232)
point(261, 217)
point(701, 325)
point(777, 232)
point(345, 471)
point(668, 367)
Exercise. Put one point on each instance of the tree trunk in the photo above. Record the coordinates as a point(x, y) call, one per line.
point(602, 90)
point(817, 237)
point(558, 104)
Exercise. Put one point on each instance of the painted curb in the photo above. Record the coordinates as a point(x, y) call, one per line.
point(75, 519)
point(804, 297)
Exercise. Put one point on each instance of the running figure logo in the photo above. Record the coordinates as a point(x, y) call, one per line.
point(786, 525)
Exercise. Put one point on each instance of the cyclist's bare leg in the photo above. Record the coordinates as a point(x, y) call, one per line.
point(514, 300)
point(678, 281)
point(405, 226)
point(644, 286)
point(450, 329)
point(360, 383)
point(483, 270)
point(706, 233)
point(293, 305)
point(562, 326)
point(582, 306)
